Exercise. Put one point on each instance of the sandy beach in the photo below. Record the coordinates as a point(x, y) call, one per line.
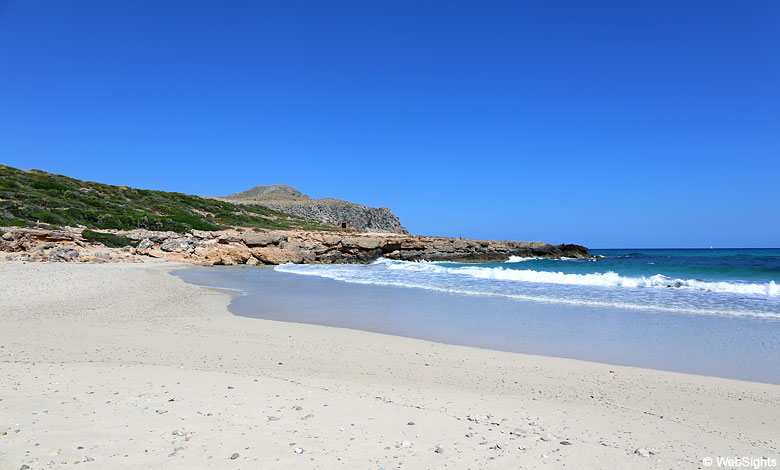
point(125, 366)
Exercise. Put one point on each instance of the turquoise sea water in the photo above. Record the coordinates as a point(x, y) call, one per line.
point(738, 282)
point(709, 312)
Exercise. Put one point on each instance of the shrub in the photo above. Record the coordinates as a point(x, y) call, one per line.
point(36, 197)
point(108, 239)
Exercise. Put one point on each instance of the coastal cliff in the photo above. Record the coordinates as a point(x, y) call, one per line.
point(329, 211)
point(234, 247)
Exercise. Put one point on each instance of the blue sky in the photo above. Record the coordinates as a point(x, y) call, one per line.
point(610, 124)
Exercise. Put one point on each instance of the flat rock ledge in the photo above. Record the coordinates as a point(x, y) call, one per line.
point(256, 247)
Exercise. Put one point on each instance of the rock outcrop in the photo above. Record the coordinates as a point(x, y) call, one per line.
point(262, 190)
point(233, 247)
point(66, 245)
point(328, 211)
point(358, 217)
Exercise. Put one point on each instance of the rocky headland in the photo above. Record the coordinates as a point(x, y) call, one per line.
point(256, 247)
point(48, 217)
point(327, 211)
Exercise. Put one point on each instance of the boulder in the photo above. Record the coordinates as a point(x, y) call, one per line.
point(275, 255)
point(177, 245)
point(63, 254)
point(222, 254)
point(262, 238)
point(333, 256)
point(144, 247)
point(368, 256)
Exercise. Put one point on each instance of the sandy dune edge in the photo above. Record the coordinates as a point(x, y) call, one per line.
point(124, 366)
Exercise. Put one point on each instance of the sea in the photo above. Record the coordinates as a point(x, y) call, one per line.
point(702, 311)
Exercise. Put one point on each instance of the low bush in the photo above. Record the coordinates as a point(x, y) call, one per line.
point(108, 239)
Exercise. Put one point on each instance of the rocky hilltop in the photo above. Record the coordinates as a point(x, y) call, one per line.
point(329, 211)
point(232, 247)
point(262, 190)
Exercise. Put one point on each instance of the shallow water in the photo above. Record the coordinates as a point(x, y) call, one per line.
point(717, 282)
point(745, 348)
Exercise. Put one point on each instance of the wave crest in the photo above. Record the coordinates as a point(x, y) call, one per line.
point(520, 284)
point(607, 279)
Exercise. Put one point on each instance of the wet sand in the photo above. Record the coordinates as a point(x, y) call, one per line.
point(731, 347)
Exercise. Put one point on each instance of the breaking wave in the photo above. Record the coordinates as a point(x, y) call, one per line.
point(612, 279)
point(607, 279)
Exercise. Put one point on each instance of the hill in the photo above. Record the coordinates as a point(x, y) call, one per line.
point(327, 210)
point(262, 190)
point(29, 198)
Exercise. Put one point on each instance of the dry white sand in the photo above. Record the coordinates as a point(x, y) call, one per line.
point(125, 366)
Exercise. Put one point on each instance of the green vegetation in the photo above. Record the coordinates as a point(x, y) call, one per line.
point(108, 239)
point(34, 197)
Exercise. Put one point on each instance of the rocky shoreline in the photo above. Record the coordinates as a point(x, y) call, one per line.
point(257, 247)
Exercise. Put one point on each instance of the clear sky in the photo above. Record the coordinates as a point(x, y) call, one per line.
point(610, 124)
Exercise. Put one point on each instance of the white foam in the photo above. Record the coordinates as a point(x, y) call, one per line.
point(519, 259)
point(608, 279)
point(464, 280)
point(613, 279)
point(356, 275)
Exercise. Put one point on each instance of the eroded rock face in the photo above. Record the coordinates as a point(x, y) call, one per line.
point(361, 243)
point(261, 247)
point(358, 217)
point(276, 255)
